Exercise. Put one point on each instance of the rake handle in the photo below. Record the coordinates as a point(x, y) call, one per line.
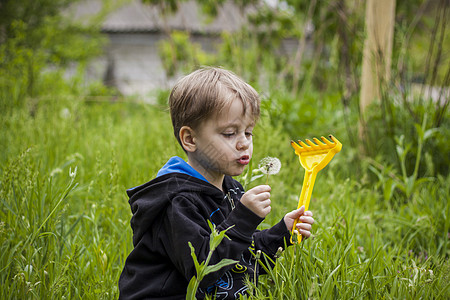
point(305, 196)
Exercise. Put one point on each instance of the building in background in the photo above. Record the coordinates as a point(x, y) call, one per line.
point(131, 62)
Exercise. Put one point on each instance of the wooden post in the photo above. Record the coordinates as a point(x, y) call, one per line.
point(377, 53)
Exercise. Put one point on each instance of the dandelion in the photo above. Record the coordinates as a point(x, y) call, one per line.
point(269, 166)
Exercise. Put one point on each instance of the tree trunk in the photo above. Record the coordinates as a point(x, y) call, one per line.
point(380, 19)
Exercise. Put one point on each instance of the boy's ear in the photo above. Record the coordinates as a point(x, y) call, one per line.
point(187, 138)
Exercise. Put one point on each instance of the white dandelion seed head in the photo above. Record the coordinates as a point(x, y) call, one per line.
point(270, 165)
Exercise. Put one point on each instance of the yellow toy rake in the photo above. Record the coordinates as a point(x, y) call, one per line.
point(313, 158)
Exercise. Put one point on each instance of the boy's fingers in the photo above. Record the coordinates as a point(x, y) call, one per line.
point(297, 213)
point(305, 233)
point(264, 203)
point(306, 219)
point(293, 214)
point(298, 210)
point(302, 209)
point(261, 188)
point(304, 226)
point(262, 196)
point(301, 213)
point(308, 213)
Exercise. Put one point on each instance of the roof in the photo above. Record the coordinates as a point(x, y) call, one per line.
point(138, 17)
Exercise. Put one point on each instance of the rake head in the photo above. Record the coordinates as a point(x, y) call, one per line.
point(316, 154)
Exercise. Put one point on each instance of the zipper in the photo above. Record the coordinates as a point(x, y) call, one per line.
point(230, 200)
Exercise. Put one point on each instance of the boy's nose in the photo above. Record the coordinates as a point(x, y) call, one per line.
point(242, 144)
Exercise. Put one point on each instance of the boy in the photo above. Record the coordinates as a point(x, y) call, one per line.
point(213, 115)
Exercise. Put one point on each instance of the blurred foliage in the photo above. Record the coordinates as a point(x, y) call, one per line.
point(177, 52)
point(37, 44)
point(416, 99)
point(305, 59)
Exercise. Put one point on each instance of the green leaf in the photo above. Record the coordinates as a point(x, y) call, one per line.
point(328, 286)
point(402, 187)
point(389, 187)
point(423, 180)
point(215, 237)
point(194, 257)
point(420, 132)
point(377, 173)
point(192, 289)
point(223, 263)
point(218, 239)
point(429, 133)
point(410, 185)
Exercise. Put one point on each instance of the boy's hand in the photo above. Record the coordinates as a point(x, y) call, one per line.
point(257, 200)
point(306, 219)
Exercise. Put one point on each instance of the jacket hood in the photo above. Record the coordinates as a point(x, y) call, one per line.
point(177, 165)
point(148, 201)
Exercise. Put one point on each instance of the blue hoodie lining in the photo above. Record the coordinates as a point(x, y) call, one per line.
point(177, 165)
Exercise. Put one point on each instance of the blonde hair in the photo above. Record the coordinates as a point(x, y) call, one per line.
point(205, 92)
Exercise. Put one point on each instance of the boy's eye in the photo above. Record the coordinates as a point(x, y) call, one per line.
point(228, 134)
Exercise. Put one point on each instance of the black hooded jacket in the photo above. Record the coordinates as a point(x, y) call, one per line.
point(172, 210)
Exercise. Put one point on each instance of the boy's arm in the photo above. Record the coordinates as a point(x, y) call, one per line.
point(270, 240)
point(184, 222)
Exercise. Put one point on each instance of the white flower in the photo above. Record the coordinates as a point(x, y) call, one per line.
point(270, 165)
point(74, 173)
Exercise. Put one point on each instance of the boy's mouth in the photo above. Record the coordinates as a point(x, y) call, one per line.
point(244, 160)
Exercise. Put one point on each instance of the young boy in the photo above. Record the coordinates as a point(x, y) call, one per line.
point(213, 115)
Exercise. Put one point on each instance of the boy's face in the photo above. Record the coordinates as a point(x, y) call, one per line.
point(224, 143)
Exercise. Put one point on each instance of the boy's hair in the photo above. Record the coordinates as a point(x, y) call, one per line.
point(199, 95)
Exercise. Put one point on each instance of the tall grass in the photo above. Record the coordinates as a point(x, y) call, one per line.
point(64, 218)
point(67, 233)
point(364, 248)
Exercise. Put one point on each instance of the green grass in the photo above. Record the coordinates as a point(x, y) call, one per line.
point(67, 234)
